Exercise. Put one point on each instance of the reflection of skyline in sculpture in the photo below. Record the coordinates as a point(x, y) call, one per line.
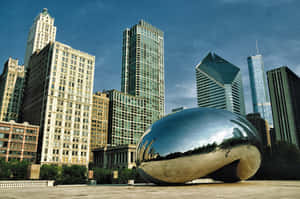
point(148, 153)
point(197, 142)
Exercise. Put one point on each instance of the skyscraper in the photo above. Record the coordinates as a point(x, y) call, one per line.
point(11, 90)
point(99, 126)
point(219, 84)
point(284, 88)
point(58, 98)
point(143, 66)
point(127, 118)
point(260, 96)
point(40, 34)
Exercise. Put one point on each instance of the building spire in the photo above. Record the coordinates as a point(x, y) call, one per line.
point(257, 50)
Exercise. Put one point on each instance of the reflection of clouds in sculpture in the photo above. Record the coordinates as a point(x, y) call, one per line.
point(219, 137)
point(199, 142)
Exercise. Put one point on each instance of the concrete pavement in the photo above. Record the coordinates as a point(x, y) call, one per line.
point(246, 189)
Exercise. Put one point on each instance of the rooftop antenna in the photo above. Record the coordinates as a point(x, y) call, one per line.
point(257, 50)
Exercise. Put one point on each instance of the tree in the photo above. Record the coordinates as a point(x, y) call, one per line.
point(13, 169)
point(4, 169)
point(127, 174)
point(49, 172)
point(103, 176)
point(18, 168)
point(282, 164)
point(74, 174)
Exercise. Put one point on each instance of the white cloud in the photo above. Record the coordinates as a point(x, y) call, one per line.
point(187, 88)
point(182, 94)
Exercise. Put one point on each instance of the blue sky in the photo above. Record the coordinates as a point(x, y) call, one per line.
point(192, 29)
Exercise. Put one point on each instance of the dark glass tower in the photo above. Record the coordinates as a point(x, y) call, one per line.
point(284, 86)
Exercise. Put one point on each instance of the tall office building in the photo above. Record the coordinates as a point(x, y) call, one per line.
point(99, 126)
point(259, 90)
point(219, 84)
point(284, 86)
point(127, 118)
point(58, 97)
point(11, 90)
point(40, 34)
point(143, 66)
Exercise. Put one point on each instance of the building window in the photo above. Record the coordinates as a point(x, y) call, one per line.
point(3, 128)
point(131, 157)
point(17, 130)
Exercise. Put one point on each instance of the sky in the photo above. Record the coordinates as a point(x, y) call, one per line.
point(191, 28)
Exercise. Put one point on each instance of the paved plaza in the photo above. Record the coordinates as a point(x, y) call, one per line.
point(247, 189)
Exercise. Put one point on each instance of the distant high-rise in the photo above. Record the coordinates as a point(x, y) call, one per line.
point(99, 126)
point(143, 66)
point(58, 97)
point(284, 86)
point(11, 90)
point(127, 118)
point(40, 34)
point(259, 89)
point(219, 84)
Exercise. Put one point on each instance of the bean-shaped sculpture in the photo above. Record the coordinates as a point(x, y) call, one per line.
point(196, 143)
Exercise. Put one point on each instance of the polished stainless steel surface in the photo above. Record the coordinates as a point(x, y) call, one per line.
point(199, 142)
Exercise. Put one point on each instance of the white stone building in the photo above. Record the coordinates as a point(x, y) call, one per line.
point(40, 34)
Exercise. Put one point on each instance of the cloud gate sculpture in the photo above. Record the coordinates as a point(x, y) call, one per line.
point(199, 142)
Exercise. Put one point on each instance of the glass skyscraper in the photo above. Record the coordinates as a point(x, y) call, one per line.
point(128, 118)
point(143, 67)
point(219, 84)
point(260, 97)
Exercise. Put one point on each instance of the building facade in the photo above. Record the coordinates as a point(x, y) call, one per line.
point(284, 88)
point(116, 157)
point(259, 89)
point(143, 66)
point(127, 118)
point(11, 90)
point(40, 34)
point(18, 141)
point(262, 127)
point(58, 98)
point(99, 125)
point(219, 85)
